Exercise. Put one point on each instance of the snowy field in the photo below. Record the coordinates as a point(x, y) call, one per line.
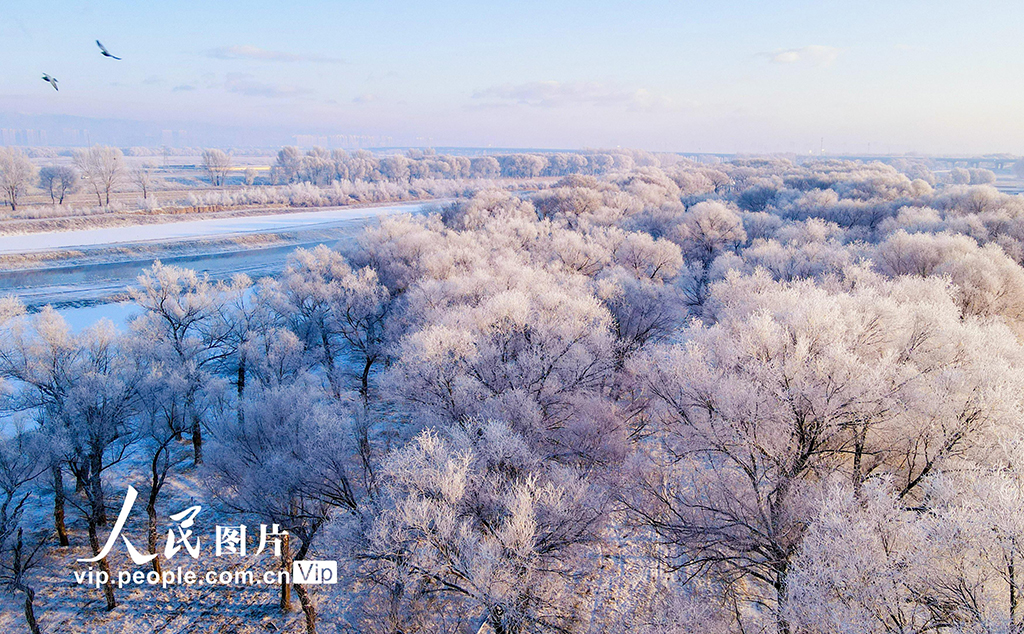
point(81, 317)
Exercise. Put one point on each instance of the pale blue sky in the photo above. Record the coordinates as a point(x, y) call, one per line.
point(727, 76)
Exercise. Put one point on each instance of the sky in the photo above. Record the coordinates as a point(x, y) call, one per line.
point(862, 77)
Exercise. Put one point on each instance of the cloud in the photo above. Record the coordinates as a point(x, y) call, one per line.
point(814, 54)
point(152, 80)
point(554, 94)
point(183, 88)
point(264, 55)
point(365, 98)
point(244, 84)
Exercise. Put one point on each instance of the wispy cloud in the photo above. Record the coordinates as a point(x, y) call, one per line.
point(183, 88)
point(813, 54)
point(555, 94)
point(265, 55)
point(365, 98)
point(245, 84)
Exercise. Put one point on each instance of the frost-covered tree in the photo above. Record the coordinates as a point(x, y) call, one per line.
point(337, 312)
point(522, 165)
point(793, 383)
point(981, 176)
point(488, 205)
point(476, 529)
point(958, 176)
point(870, 564)
point(217, 164)
point(58, 181)
point(181, 340)
point(158, 430)
point(397, 249)
point(643, 310)
point(988, 283)
point(144, 178)
point(524, 354)
point(17, 174)
point(648, 258)
point(395, 168)
point(863, 566)
point(259, 344)
point(708, 228)
point(16, 560)
point(84, 388)
point(286, 167)
point(23, 458)
point(102, 168)
point(570, 204)
point(293, 461)
point(485, 166)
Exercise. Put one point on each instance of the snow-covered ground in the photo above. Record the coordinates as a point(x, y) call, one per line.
point(81, 317)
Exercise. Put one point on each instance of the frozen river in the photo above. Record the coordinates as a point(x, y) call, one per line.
point(84, 292)
point(189, 229)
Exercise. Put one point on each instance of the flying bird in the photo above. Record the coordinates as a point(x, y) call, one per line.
point(104, 51)
point(51, 80)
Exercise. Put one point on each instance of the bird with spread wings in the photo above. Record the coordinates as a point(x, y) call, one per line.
point(104, 51)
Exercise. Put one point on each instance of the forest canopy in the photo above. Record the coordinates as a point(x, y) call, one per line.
point(658, 396)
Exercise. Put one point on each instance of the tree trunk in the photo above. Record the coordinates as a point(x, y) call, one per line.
point(860, 437)
point(781, 574)
point(30, 611)
point(197, 442)
point(151, 536)
point(286, 565)
point(240, 387)
point(58, 504)
point(364, 389)
point(81, 475)
point(99, 507)
point(1011, 569)
point(172, 422)
point(329, 364)
point(108, 587)
point(154, 490)
point(19, 584)
point(308, 608)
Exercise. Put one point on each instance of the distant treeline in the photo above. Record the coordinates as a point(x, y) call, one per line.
point(321, 167)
